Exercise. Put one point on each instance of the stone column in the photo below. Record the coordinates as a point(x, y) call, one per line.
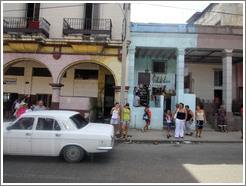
point(180, 75)
point(131, 74)
point(55, 95)
point(227, 88)
point(227, 79)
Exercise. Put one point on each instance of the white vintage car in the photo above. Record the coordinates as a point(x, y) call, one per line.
point(56, 133)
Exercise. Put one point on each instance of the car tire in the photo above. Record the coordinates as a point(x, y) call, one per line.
point(73, 154)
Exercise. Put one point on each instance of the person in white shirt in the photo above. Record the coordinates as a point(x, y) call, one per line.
point(136, 100)
point(115, 112)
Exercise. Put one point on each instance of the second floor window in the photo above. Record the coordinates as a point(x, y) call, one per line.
point(33, 10)
point(159, 66)
point(218, 78)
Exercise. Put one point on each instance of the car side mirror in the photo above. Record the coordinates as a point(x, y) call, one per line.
point(8, 128)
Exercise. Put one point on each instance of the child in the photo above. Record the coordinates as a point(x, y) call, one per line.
point(125, 120)
point(147, 118)
point(169, 123)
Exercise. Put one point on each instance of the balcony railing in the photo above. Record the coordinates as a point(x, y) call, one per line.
point(94, 27)
point(22, 25)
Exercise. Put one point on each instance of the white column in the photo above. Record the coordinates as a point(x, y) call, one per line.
point(180, 75)
point(56, 89)
point(227, 79)
point(131, 81)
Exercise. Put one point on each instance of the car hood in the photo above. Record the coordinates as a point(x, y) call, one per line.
point(99, 128)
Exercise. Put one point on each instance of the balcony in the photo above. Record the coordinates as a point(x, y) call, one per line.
point(29, 26)
point(89, 27)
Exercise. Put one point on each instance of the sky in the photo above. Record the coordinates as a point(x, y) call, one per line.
point(165, 11)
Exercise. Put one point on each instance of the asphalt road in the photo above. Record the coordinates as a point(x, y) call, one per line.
point(135, 163)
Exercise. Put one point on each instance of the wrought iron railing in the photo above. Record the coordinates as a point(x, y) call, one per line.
point(78, 26)
point(26, 25)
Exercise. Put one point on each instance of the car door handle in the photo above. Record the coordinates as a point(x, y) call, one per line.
point(28, 134)
point(58, 135)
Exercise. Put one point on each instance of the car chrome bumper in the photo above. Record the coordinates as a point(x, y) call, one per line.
point(104, 148)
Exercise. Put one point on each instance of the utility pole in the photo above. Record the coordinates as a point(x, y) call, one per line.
point(125, 36)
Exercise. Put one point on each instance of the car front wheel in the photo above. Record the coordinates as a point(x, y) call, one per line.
point(73, 153)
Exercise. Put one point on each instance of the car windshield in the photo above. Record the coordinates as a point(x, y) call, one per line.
point(79, 121)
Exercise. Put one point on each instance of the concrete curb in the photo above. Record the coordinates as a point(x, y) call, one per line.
point(175, 141)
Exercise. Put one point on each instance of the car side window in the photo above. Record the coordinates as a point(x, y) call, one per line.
point(47, 124)
point(23, 124)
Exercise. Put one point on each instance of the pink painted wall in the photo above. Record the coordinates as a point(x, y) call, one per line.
point(240, 74)
point(55, 66)
point(77, 103)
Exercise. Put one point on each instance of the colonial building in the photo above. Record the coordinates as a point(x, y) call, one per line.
point(67, 54)
point(224, 14)
point(178, 63)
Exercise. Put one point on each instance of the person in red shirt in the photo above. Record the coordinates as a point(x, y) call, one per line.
point(241, 111)
point(147, 112)
point(21, 110)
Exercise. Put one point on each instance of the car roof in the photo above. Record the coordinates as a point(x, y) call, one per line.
point(54, 113)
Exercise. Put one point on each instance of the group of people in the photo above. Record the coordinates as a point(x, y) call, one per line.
point(183, 118)
point(125, 119)
point(21, 107)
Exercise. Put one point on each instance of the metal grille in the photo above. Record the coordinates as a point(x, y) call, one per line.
point(87, 26)
point(25, 25)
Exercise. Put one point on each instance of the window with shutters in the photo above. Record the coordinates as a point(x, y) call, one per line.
point(218, 77)
point(159, 66)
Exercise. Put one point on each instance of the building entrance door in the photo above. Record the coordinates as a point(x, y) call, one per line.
point(109, 95)
point(218, 96)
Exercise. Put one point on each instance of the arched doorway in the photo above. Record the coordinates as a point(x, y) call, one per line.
point(26, 79)
point(88, 88)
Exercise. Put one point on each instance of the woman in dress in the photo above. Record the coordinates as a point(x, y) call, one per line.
point(200, 120)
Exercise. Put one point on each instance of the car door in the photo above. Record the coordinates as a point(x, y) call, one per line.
point(47, 137)
point(19, 135)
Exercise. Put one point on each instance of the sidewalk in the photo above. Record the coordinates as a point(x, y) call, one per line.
point(209, 135)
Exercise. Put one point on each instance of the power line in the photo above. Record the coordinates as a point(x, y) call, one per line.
point(229, 13)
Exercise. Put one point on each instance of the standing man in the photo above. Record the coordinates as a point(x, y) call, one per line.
point(221, 118)
point(136, 100)
point(40, 106)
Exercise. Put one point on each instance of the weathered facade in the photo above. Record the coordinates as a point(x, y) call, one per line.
point(219, 14)
point(224, 14)
point(70, 60)
point(193, 57)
